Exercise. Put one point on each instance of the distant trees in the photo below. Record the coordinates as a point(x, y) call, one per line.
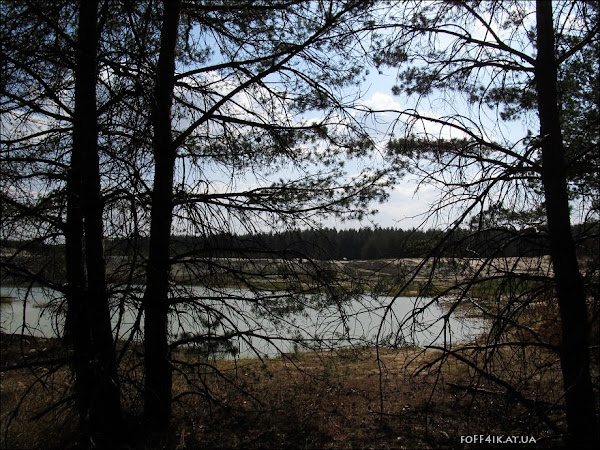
point(384, 243)
point(480, 67)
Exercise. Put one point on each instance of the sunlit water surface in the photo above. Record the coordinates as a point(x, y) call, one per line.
point(251, 325)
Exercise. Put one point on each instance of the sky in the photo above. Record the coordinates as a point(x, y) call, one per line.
point(409, 202)
point(406, 205)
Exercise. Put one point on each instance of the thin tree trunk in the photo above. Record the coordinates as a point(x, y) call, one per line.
point(103, 392)
point(579, 395)
point(157, 392)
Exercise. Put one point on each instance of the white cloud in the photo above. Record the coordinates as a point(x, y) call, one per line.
point(380, 101)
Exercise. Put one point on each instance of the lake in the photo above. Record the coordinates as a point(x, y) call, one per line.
point(265, 324)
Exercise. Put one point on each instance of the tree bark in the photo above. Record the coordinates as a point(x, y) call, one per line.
point(157, 389)
point(579, 395)
point(102, 396)
point(77, 329)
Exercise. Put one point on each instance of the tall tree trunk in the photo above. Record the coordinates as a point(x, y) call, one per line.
point(77, 329)
point(579, 395)
point(104, 411)
point(157, 389)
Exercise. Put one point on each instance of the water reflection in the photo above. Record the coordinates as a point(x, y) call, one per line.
point(240, 322)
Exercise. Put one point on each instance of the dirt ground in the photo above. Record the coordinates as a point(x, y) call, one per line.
point(343, 399)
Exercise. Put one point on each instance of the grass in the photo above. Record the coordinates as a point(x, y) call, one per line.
point(342, 399)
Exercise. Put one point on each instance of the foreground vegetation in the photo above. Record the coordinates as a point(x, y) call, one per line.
point(344, 399)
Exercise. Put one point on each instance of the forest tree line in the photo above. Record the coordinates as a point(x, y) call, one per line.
point(383, 243)
point(351, 244)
